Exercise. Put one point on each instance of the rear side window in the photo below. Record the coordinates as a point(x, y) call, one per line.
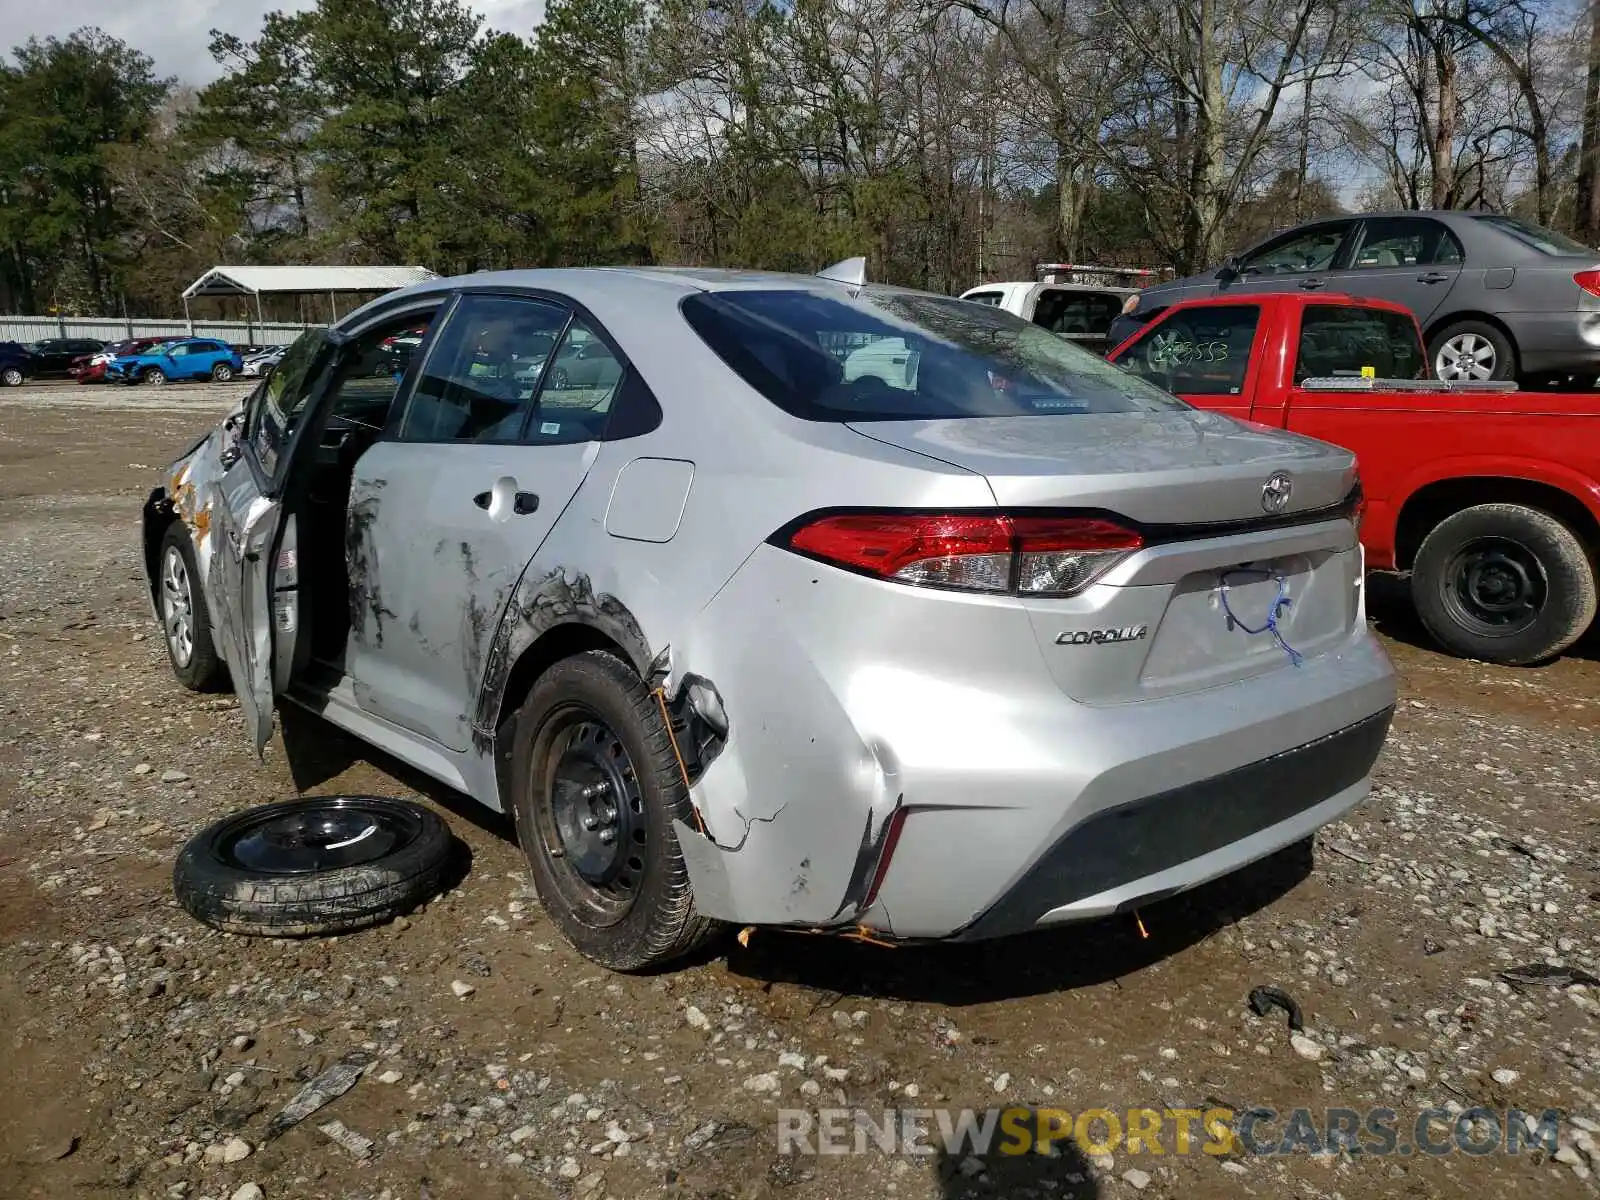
point(1072, 313)
point(1406, 242)
point(480, 379)
point(990, 298)
point(1337, 340)
point(1199, 351)
point(888, 355)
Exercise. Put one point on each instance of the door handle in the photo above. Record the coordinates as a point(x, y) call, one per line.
point(522, 503)
point(1312, 285)
point(1433, 277)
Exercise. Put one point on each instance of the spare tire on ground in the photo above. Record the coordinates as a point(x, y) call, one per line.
point(318, 865)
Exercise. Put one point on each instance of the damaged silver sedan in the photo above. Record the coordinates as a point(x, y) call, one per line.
point(786, 601)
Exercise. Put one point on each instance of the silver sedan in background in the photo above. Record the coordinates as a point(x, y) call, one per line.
point(1497, 296)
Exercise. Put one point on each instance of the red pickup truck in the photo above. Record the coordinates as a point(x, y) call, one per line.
point(1489, 497)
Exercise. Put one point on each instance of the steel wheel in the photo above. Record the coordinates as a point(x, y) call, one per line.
point(177, 606)
point(591, 814)
point(337, 832)
point(1495, 586)
point(1466, 356)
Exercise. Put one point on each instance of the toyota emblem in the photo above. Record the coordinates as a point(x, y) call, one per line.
point(1275, 492)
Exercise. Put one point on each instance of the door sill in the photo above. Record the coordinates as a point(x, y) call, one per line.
point(330, 694)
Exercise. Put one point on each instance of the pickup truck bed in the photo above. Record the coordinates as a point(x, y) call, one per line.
point(1488, 496)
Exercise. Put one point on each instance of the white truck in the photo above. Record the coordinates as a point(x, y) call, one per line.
point(1071, 300)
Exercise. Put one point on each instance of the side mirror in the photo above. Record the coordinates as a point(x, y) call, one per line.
point(1229, 271)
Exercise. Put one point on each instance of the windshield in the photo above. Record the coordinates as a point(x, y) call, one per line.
point(890, 355)
point(1546, 241)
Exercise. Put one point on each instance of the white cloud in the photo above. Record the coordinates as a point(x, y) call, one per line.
point(176, 35)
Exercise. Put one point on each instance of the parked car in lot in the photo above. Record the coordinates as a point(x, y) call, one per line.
point(185, 358)
point(16, 364)
point(1079, 312)
point(92, 368)
point(1496, 296)
point(1488, 496)
point(738, 640)
point(53, 357)
point(260, 361)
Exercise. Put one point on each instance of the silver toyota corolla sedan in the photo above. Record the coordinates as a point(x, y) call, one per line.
point(993, 638)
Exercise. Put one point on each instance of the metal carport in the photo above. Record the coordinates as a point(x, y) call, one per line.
point(308, 280)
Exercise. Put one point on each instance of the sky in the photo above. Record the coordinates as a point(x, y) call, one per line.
point(175, 35)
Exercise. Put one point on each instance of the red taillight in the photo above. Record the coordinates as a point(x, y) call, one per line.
point(891, 839)
point(1036, 556)
point(1589, 281)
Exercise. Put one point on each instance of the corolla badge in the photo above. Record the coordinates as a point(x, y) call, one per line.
point(1275, 492)
point(1099, 637)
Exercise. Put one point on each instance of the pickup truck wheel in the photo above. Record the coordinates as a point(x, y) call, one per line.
point(1473, 351)
point(1504, 583)
point(596, 784)
point(185, 620)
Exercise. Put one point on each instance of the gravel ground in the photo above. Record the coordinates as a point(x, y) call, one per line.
point(146, 1055)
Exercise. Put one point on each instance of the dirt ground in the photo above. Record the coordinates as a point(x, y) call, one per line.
point(144, 1055)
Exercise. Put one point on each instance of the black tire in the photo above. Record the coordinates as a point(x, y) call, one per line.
point(1504, 583)
point(1449, 345)
point(11, 377)
point(222, 372)
point(247, 874)
point(645, 916)
point(180, 599)
point(152, 376)
point(558, 377)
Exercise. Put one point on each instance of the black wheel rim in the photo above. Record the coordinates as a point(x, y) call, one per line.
point(1495, 587)
point(590, 814)
point(341, 831)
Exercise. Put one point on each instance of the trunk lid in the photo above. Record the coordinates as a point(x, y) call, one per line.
point(1172, 468)
point(1189, 610)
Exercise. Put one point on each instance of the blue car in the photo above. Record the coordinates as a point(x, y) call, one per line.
point(16, 364)
point(185, 358)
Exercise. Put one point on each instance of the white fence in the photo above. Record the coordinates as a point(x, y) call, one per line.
point(113, 329)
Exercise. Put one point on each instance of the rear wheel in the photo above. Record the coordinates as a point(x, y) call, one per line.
point(222, 372)
point(185, 622)
point(1473, 351)
point(153, 377)
point(1504, 583)
point(596, 786)
point(11, 377)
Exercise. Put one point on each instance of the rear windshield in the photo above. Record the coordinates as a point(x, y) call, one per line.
point(1338, 340)
point(1075, 313)
point(889, 355)
point(1546, 241)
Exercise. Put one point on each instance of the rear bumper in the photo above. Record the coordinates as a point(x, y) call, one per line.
point(1153, 847)
point(851, 700)
point(1556, 342)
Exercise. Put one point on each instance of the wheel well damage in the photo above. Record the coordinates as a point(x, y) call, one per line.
point(556, 615)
